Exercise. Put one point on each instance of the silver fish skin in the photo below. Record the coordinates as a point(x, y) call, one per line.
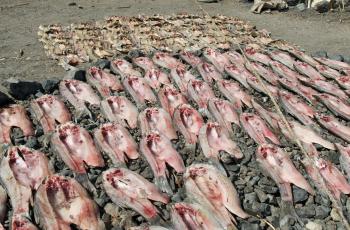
point(337, 106)
point(3, 201)
point(181, 77)
point(265, 73)
point(208, 72)
point(186, 216)
point(328, 72)
point(334, 126)
point(296, 107)
point(234, 93)
point(144, 62)
point(165, 60)
point(305, 92)
point(303, 57)
point(217, 59)
point(235, 57)
point(281, 169)
point(305, 134)
point(325, 87)
point(344, 82)
point(257, 85)
point(257, 129)
point(190, 58)
point(344, 158)
point(283, 58)
point(117, 142)
point(307, 70)
point(207, 185)
point(238, 73)
point(338, 65)
point(284, 71)
point(61, 202)
point(128, 189)
point(119, 109)
point(254, 55)
point(124, 68)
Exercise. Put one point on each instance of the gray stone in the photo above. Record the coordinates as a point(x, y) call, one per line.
point(80, 75)
point(5, 99)
point(102, 63)
point(306, 212)
point(347, 59)
point(32, 142)
point(249, 226)
point(313, 226)
point(301, 6)
point(261, 195)
point(321, 53)
point(335, 215)
point(268, 188)
point(322, 200)
point(50, 85)
point(299, 195)
point(336, 57)
point(292, 2)
point(254, 181)
point(250, 198)
point(21, 90)
point(322, 212)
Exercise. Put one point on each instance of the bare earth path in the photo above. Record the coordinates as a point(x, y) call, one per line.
point(19, 20)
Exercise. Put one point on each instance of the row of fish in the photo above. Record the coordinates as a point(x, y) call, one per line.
point(207, 186)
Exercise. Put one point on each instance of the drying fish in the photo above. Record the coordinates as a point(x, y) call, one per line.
point(344, 82)
point(166, 61)
point(283, 58)
point(253, 55)
point(3, 201)
point(200, 92)
point(257, 129)
point(271, 118)
point(328, 72)
point(79, 93)
point(235, 57)
point(257, 85)
point(156, 78)
point(19, 222)
point(144, 62)
point(50, 111)
point(284, 71)
point(234, 93)
point(208, 72)
point(62, 202)
point(338, 106)
point(117, 142)
point(346, 71)
point(186, 216)
point(208, 186)
point(303, 57)
point(334, 126)
point(239, 73)
point(76, 147)
point(124, 68)
point(296, 107)
point(128, 189)
point(276, 163)
point(217, 59)
point(333, 178)
point(224, 113)
point(119, 109)
point(308, 70)
point(170, 98)
point(188, 122)
point(14, 116)
point(190, 58)
point(265, 73)
point(157, 119)
point(304, 91)
point(344, 158)
point(181, 77)
point(159, 152)
point(305, 134)
point(147, 227)
point(325, 87)
point(338, 65)
point(214, 138)
point(140, 91)
point(104, 82)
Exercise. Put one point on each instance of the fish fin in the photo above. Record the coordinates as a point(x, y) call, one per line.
point(162, 183)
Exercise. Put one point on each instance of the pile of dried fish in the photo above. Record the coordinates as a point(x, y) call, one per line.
point(114, 35)
point(166, 140)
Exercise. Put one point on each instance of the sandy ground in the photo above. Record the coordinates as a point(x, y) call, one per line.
point(20, 20)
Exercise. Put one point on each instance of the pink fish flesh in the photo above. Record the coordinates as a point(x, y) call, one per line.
point(170, 98)
point(119, 109)
point(181, 77)
point(296, 87)
point(217, 59)
point(303, 57)
point(156, 78)
point(281, 169)
point(14, 116)
point(208, 72)
point(265, 73)
point(21, 222)
point(283, 58)
point(190, 58)
point(344, 82)
point(188, 122)
point(140, 91)
point(50, 111)
point(258, 86)
point(307, 70)
point(104, 82)
point(166, 61)
point(200, 92)
point(328, 72)
point(239, 74)
point(334, 126)
point(159, 152)
point(257, 129)
point(61, 202)
point(128, 189)
point(117, 142)
point(144, 62)
point(254, 55)
point(338, 106)
point(234, 93)
point(124, 68)
point(284, 71)
point(76, 147)
point(157, 119)
point(235, 57)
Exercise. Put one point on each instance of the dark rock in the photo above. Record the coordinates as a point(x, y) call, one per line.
point(292, 2)
point(319, 199)
point(248, 189)
point(322, 7)
point(347, 59)
point(321, 53)
point(80, 75)
point(50, 85)
point(249, 226)
point(5, 99)
point(32, 142)
point(336, 57)
point(268, 188)
point(102, 63)
point(232, 167)
point(262, 208)
point(21, 90)
point(301, 6)
point(250, 198)
point(322, 212)
point(299, 195)
point(306, 212)
point(261, 195)
point(72, 4)
point(253, 181)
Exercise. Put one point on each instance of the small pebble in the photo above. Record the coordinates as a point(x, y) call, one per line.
point(335, 215)
point(313, 226)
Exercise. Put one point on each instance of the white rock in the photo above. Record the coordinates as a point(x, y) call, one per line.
point(335, 215)
point(313, 226)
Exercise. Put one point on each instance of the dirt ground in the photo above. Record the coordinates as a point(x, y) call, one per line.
point(21, 18)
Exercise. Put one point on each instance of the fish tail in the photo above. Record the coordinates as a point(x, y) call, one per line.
point(163, 184)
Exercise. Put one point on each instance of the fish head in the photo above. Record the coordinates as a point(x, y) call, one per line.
point(208, 68)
